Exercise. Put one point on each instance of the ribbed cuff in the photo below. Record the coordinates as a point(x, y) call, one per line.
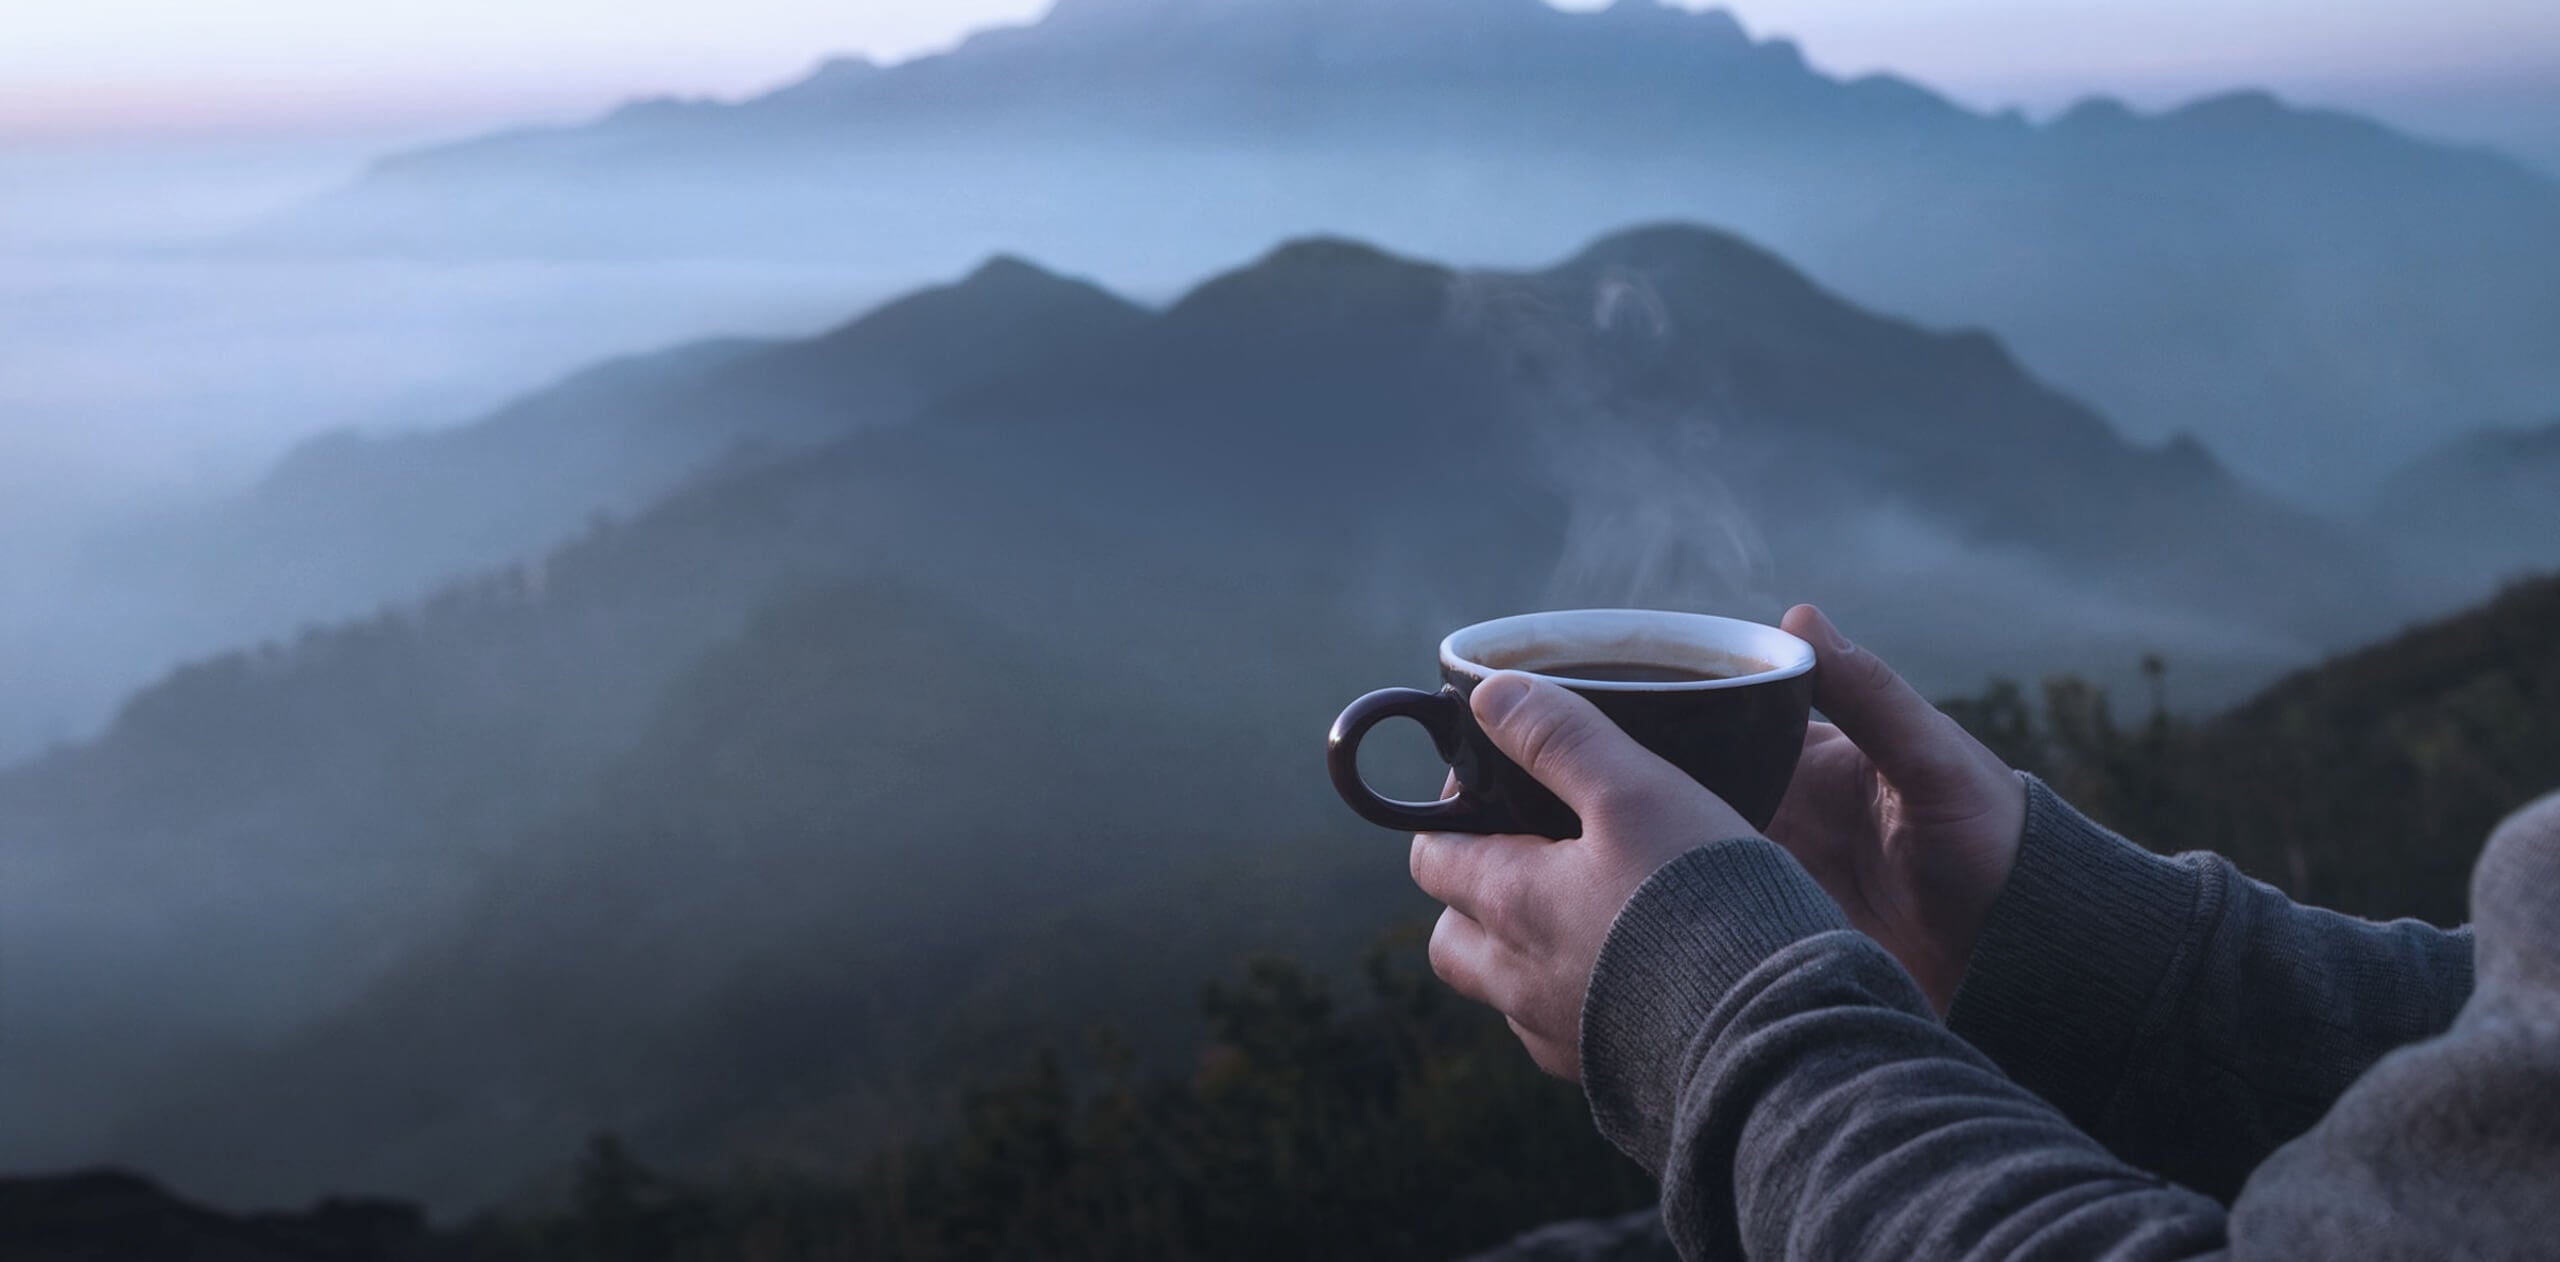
point(2073, 957)
point(1689, 935)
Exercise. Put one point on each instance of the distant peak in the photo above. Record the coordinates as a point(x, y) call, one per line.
point(1079, 12)
point(2233, 109)
point(1325, 254)
point(834, 78)
point(1310, 263)
point(1655, 245)
point(1327, 271)
point(845, 69)
point(1090, 13)
point(1647, 10)
point(2096, 111)
point(1009, 270)
point(1717, 23)
point(2245, 101)
point(1005, 291)
point(1009, 282)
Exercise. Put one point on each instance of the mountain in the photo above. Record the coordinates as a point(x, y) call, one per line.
point(2487, 503)
point(348, 522)
point(739, 822)
point(2427, 739)
point(2306, 290)
point(2366, 784)
point(106, 1216)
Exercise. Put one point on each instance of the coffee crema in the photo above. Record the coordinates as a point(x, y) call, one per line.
point(1631, 673)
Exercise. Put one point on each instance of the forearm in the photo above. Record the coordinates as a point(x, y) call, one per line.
point(2190, 1019)
point(1786, 1079)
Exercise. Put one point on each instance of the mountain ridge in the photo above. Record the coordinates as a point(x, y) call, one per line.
point(346, 522)
point(2208, 268)
point(2486, 503)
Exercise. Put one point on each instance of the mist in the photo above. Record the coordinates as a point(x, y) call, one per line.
point(145, 376)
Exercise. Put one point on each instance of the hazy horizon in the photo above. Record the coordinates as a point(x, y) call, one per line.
point(2481, 71)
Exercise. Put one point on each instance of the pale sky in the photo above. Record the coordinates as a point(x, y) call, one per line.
point(83, 67)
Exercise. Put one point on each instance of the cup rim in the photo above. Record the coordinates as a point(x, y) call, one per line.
point(1789, 656)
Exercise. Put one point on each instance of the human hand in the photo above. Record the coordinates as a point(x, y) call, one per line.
point(1909, 823)
point(1527, 916)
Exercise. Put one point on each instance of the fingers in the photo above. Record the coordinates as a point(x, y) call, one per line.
point(1907, 738)
point(1481, 967)
point(1569, 746)
point(1473, 962)
point(1484, 878)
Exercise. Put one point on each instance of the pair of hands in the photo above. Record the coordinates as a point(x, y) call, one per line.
point(1907, 821)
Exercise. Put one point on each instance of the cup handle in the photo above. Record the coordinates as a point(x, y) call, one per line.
point(1440, 713)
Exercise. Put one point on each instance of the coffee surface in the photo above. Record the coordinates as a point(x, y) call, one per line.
point(1630, 673)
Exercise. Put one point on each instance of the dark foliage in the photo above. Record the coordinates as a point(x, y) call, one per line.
point(113, 1216)
point(1406, 1126)
point(2368, 784)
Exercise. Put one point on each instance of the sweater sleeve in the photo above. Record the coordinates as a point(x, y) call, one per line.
point(2189, 1018)
point(1787, 1081)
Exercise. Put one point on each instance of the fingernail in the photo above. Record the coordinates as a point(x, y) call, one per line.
point(1498, 696)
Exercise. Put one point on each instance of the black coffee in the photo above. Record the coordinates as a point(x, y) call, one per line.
point(1631, 673)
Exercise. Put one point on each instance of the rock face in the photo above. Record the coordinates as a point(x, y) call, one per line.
point(1637, 1237)
point(110, 1216)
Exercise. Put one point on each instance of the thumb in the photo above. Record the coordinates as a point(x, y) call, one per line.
point(1569, 746)
point(1911, 741)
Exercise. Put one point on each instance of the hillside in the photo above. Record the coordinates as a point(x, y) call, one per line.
point(1411, 1117)
point(770, 770)
point(348, 522)
point(2427, 740)
point(2367, 784)
point(2488, 502)
point(109, 1216)
point(2216, 268)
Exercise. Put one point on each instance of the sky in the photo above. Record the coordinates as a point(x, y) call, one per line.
point(180, 67)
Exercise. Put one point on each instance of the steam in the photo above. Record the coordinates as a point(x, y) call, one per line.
point(1652, 519)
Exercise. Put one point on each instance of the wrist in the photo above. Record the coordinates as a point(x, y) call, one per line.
point(1681, 944)
point(2061, 982)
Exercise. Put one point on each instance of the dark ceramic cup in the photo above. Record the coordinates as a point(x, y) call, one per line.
point(1738, 733)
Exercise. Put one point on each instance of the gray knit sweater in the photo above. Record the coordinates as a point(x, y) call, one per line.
point(2149, 1058)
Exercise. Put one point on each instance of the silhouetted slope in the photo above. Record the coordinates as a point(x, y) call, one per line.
point(2215, 269)
point(116, 1217)
point(858, 849)
point(826, 757)
point(2370, 783)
